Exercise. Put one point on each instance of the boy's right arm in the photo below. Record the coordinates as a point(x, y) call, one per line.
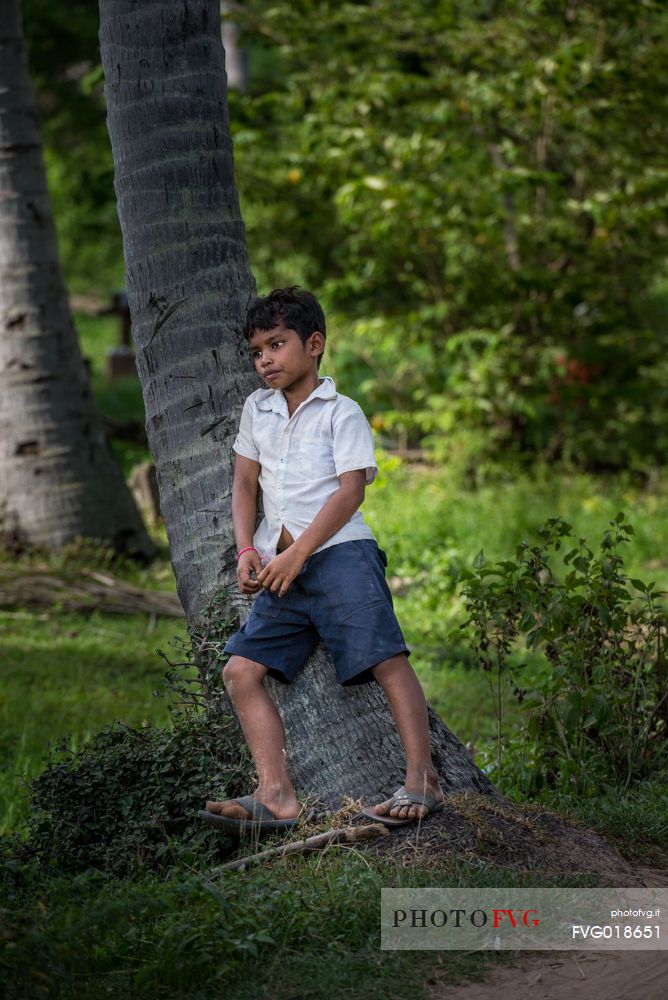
point(244, 514)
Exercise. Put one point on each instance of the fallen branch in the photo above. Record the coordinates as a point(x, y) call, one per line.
point(96, 591)
point(343, 835)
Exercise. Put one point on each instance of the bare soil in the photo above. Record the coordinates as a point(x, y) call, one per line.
point(571, 975)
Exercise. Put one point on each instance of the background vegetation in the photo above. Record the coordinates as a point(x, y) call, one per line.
point(477, 192)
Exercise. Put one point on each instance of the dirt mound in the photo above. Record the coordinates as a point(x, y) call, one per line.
point(506, 834)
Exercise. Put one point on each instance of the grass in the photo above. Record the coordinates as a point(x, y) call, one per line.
point(446, 518)
point(64, 674)
point(120, 399)
point(260, 934)
point(635, 822)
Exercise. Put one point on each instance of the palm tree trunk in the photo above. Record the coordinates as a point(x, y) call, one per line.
point(189, 282)
point(187, 271)
point(58, 479)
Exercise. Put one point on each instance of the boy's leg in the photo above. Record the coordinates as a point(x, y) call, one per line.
point(263, 729)
point(409, 709)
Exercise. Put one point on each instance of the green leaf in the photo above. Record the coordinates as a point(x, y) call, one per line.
point(604, 614)
point(573, 711)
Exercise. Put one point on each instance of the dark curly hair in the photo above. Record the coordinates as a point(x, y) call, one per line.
point(294, 307)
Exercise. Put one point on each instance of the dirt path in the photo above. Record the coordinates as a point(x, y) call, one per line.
point(575, 975)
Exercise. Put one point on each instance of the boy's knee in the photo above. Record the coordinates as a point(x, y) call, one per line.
point(240, 673)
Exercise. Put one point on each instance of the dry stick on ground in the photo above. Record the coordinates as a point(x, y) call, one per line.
point(342, 835)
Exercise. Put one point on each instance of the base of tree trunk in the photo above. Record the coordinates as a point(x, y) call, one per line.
point(477, 829)
point(342, 741)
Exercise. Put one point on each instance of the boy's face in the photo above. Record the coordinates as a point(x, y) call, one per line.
point(282, 359)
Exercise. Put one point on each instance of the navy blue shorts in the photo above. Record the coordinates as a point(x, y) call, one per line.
point(341, 597)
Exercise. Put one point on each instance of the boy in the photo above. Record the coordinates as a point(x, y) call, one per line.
point(313, 562)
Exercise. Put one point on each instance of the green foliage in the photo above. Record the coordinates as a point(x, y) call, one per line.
point(126, 801)
point(119, 401)
point(160, 939)
point(64, 60)
point(302, 924)
point(597, 707)
point(478, 190)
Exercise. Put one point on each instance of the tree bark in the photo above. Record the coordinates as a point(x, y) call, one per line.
point(58, 479)
point(189, 282)
point(187, 272)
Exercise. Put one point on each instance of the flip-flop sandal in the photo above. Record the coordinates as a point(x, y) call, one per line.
point(403, 798)
point(261, 817)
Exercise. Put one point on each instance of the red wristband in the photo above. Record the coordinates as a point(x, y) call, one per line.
point(249, 548)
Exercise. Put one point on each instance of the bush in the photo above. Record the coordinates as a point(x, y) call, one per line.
point(127, 799)
point(597, 703)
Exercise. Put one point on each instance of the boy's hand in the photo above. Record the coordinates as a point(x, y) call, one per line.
point(249, 568)
point(278, 574)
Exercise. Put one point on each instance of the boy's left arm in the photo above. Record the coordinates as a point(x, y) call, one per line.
point(278, 575)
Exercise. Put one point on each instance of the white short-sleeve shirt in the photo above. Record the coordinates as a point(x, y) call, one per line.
point(300, 458)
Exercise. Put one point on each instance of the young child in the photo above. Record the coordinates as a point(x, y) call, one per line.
point(314, 564)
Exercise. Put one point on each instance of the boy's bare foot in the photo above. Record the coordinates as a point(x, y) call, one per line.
point(282, 806)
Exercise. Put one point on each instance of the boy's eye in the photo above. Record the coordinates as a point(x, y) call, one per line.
point(277, 343)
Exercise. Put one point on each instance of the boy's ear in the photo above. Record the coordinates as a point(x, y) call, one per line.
point(316, 344)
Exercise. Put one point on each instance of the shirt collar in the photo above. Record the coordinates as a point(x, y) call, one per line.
point(273, 399)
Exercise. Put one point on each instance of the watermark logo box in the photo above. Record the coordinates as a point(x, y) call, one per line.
point(624, 919)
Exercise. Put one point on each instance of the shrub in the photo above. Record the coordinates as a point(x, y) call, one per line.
point(127, 799)
point(597, 703)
